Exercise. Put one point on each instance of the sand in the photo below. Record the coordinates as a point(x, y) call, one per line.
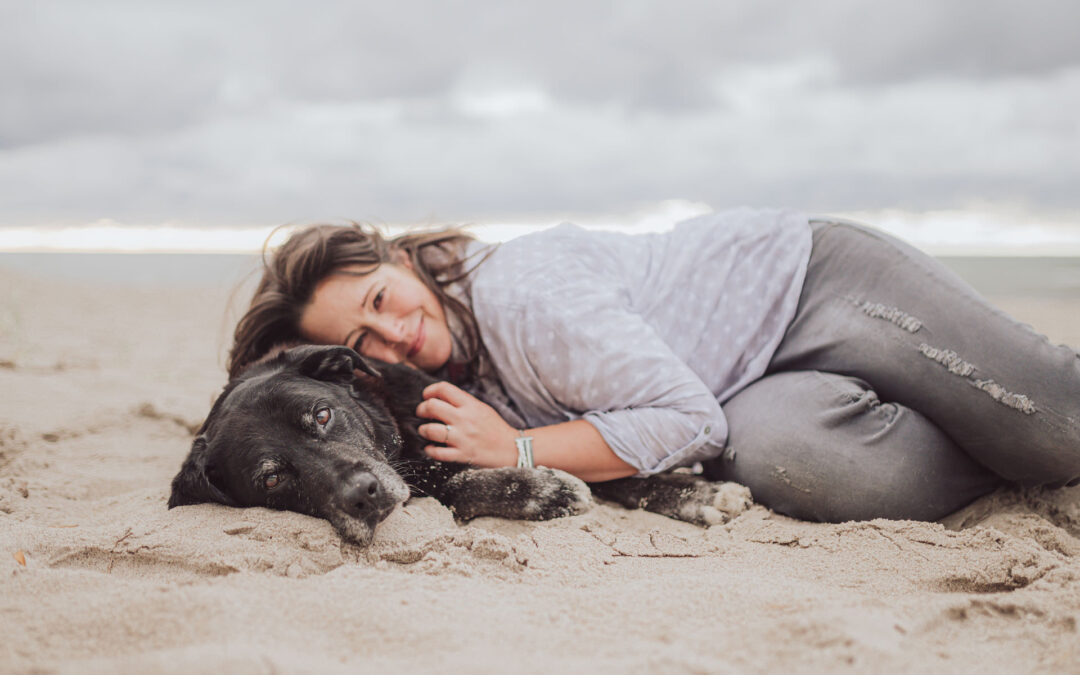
point(103, 384)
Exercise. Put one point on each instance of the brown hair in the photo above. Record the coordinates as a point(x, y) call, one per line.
point(292, 271)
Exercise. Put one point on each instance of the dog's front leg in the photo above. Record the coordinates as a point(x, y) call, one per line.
point(676, 495)
point(515, 493)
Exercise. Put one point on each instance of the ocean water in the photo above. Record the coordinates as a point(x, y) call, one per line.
point(1051, 277)
point(140, 269)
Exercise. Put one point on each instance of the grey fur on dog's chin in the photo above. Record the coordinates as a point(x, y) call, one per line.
point(352, 529)
point(355, 530)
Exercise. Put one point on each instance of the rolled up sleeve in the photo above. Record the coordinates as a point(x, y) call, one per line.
point(587, 355)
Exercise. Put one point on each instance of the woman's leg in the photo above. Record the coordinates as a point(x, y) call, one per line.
point(878, 310)
point(819, 446)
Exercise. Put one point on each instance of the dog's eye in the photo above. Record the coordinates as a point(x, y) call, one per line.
point(272, 481)
point(322, 416)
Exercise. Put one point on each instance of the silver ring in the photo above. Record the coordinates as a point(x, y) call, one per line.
point(446, 439)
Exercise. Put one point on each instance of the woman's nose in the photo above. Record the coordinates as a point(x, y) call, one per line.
point(392, 331)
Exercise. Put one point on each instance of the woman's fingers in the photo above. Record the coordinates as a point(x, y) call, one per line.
point(445, 454)
point(436, 432)
point(472, 430)
point(448, 393)
point(437, 409)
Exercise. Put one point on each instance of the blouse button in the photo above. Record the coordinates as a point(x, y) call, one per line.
point(708, 430)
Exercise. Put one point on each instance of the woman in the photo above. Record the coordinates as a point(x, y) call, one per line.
point(838, 373)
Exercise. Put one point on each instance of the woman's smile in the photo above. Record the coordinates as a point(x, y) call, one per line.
point(418, 343)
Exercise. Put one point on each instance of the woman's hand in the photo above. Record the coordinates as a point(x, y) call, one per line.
point(471, 429)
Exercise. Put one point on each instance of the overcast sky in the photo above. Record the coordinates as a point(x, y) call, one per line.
point(240, 113)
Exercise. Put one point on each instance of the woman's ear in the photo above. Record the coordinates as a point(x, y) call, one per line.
point(402, 258)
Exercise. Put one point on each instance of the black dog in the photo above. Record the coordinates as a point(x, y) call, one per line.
point(322, 431)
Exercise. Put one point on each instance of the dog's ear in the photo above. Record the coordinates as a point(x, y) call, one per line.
point(193, 485)
point(334, 364)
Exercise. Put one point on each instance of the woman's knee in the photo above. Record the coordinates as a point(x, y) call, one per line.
point(820, 446)
point(1029, 432)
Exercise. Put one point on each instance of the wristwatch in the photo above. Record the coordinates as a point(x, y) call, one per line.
point(525, 451)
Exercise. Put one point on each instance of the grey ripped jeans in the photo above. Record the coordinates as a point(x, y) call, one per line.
point(899, 392)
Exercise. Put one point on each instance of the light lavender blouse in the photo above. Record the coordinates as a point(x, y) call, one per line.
point(644, 336)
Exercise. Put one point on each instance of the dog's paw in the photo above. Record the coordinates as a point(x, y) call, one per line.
point(708, 503)
point(559, 494)
point(517, 493)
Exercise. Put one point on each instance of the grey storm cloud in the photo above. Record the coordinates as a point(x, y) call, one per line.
point(215, 112)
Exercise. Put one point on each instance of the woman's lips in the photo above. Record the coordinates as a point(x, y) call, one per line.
point(418, 343)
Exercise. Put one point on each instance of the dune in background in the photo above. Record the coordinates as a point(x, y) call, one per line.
point(104, 381)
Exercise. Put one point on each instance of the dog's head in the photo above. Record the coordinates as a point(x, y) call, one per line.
point(300, 432)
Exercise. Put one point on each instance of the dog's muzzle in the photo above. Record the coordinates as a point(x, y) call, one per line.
point(363, 497)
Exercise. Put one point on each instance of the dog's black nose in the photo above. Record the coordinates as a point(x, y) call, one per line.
point(362, 495)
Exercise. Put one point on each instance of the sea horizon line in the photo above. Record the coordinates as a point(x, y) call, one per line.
point(956, 232)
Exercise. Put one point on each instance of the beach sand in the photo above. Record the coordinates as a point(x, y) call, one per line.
point(103, 385)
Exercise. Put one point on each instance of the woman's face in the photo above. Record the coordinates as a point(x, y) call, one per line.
point(387, 314)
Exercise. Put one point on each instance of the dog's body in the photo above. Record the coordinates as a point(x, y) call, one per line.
point(321, 431)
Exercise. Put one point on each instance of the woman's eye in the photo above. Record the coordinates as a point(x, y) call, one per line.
point(377, 303)
point(272, 481)
point(322, 416)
